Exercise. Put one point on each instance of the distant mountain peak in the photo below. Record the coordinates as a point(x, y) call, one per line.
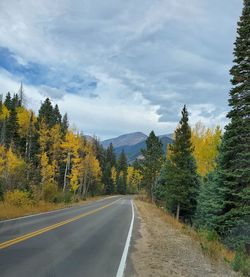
point(125, 140)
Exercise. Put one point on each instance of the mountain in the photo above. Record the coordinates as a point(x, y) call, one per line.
point(125, 140)
point(133, 143)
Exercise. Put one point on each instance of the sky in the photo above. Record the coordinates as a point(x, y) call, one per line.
point(120, 66)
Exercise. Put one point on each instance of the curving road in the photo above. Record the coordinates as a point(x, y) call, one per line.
point(89, 240)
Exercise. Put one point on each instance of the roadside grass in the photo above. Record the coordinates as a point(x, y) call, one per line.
point(209, 241)
point(10, 210)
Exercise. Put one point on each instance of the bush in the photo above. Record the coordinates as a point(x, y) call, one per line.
point(49, 191)
point(241, 261)
point(63, 197)
point(210, 243)
point(17, 198)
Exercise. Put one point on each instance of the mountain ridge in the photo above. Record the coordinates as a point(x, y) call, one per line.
point(132, 144)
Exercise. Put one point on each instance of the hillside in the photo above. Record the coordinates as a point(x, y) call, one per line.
point(125, 140)
point(133, 143)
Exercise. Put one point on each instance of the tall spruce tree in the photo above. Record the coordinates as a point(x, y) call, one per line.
point(152, 162)
point(110, 161)
point(234, 158)
point(46, 113)
point(122, 170)
point(182, 181)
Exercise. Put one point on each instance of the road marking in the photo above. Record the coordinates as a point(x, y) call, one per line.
point(56, 211)
point(122, 264)
point(51, 227)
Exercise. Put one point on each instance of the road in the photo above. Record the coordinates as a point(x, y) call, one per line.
point(81, 241)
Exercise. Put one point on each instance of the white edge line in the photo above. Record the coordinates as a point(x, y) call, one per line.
point(122, 264)
point(54, 211)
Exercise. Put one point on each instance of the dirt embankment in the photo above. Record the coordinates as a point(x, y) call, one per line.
point(164, 250)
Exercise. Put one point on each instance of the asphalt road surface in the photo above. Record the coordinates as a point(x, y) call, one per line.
point(89, 240)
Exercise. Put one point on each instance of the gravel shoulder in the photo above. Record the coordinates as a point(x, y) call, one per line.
point(161, 249)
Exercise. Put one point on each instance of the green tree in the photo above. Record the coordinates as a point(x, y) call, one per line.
point(107, 179)
point(12, 126)
point(182, 181)
point(234, 158)
point(65, 124)
point(46, 113)
point(208, 203)
point(152, 162)
point(122, 170)
point(110, 155)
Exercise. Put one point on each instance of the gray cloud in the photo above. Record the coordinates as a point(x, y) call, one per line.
point(166, 53)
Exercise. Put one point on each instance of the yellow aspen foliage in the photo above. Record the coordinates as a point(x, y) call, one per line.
point(56, 141)
point(134, 178)
point(44, 136)
point(23, 118)
point(74, 180)
point(47, 170)
point(5, 113)
point(13, 161)
point(206, 142)
point(113, 174)
point(13, 169)
point(72, 143)
point(2, 159)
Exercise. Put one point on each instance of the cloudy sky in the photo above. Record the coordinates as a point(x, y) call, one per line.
point(121, 66)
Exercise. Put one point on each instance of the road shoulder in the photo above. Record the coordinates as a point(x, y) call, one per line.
point(160, 249)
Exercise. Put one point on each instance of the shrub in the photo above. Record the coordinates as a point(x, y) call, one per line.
point(61, 197)
point(241, 261)
point(210, 243)
point(17, 198)
point(49, 191)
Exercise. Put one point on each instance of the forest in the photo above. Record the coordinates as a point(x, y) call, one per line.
point(203, 180)
point(42, 159)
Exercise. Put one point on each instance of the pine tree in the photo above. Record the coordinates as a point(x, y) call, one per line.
point(8, 101)
point(121, 184)
point(182, 181)
point(208, 203)
point(107, 179)
point(152, 162)
point(234, 158)
point(65, 124)
point(57, 115)
point(122, 169)
point(46, 113)
point(12, 126)
point(110, 155)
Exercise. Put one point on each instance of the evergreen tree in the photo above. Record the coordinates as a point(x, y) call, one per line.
point(65, 124)
point(234, 158)
point(208, 203)
point(99, 152)
point(182, 181)
point(57, 115)
point(12, 135)
point(159, 190)
point(122, 169)
point(107, 180)
point(121, 184)
point(8, 101)
point(110, 155)
point(152, 162)
point(46, 113)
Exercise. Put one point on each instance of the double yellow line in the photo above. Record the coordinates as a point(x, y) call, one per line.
point(8, 243)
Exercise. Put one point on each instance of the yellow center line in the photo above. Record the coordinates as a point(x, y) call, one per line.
point(51, 227)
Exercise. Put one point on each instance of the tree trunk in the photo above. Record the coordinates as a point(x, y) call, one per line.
point(178, 212)
point(66, 172)
point(84, 187)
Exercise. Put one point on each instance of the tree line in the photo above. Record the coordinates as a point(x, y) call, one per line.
point(205, 178)
point(43, 157)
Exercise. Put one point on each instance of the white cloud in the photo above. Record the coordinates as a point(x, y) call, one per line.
point(149, 58)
